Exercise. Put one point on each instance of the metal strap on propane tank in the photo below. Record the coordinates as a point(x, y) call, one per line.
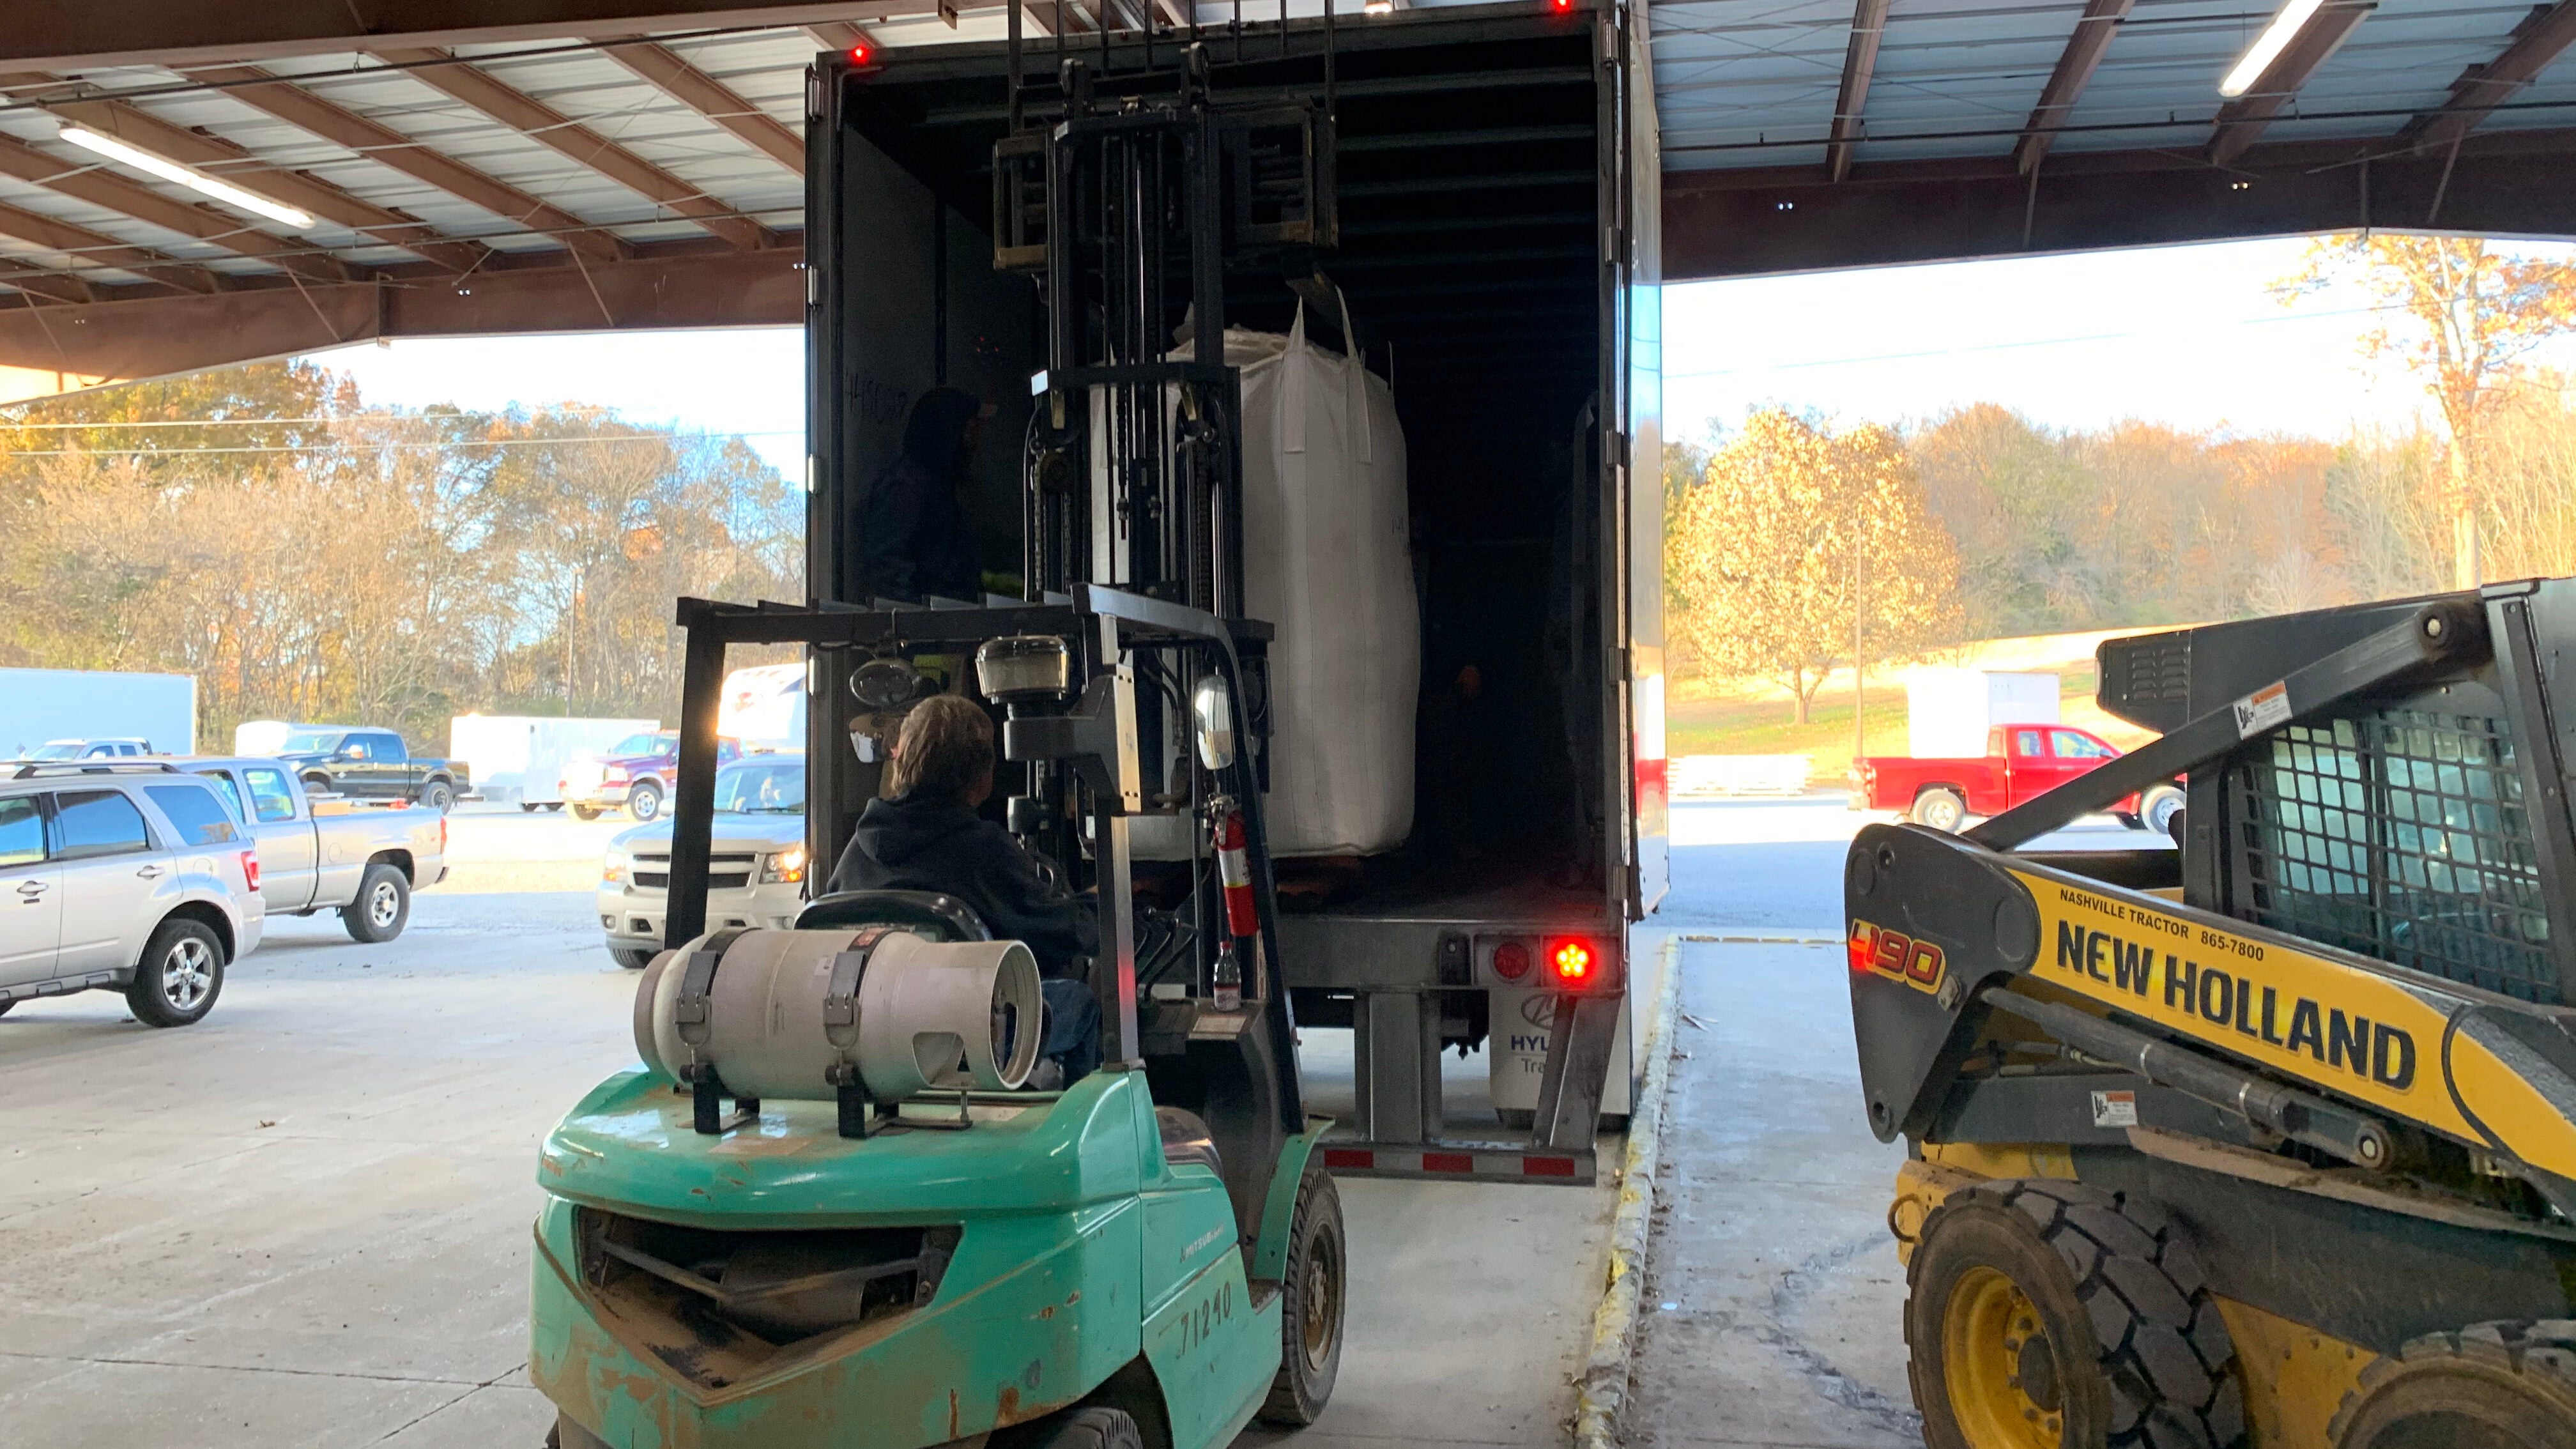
point(841, 1028)
point(689, 1014)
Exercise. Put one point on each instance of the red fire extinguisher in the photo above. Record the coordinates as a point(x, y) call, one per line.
point(1234, 872)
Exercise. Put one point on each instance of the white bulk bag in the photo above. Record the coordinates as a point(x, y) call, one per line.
point(1325, 560)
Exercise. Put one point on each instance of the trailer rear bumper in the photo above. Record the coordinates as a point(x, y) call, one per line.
point(1460, 1162)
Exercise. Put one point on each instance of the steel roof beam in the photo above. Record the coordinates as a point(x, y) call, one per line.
point(138, 127)
point(191, 32)
point(385, 146)
point(577, 143)
point(1869, 24)
point(131, 341)
point(2542, 37)
point(2241, 121)
point(2075, 66)
point(673, 75)
point(45, 282)
point(101, 187)
point(83, 245)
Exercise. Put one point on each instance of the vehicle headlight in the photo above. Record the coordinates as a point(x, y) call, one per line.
point(613, 870)
point(613, 775)
point(784, 868)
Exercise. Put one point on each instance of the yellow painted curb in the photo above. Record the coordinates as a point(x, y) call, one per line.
point(1603, 1385)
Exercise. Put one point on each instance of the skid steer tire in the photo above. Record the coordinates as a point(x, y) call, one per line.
point(1312, 1293)
point(2488, 1386)
point(2040, 1312)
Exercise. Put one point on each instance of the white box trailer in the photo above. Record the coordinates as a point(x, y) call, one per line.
point(516, 759)
point(1948, 711)
point(37, 705)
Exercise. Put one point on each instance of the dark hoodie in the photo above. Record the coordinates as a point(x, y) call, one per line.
point(913, 534)
point(930, 842)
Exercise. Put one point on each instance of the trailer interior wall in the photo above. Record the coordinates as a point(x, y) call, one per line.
point(1473, 183)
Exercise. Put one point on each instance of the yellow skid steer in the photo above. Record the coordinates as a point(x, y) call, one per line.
point(2269, 1139)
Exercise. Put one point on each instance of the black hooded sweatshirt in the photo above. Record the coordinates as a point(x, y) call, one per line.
point(913, 534)
point(928, 841)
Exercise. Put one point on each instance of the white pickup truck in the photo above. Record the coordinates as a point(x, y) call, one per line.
point(327, 854)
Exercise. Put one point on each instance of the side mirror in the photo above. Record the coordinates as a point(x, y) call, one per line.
point(1213, 704)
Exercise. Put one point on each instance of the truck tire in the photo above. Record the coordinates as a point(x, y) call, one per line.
point(2488, 1386)
point(633, 958)
point(180, 975)
point(2045, 1312)
point(2158, 807)
point(644, 802)
point(438, 795)
point(1941, 808)
point(317, 784)
point(382, 907)
point(1310, 1318)
point(585, 812)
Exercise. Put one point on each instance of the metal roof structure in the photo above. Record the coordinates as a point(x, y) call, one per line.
point(446, 167)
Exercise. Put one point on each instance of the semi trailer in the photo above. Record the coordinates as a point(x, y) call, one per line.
point(1463, 201)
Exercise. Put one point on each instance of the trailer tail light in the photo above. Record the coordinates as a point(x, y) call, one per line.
point(250, 868)
point(1511, 960)
point(1572, 962)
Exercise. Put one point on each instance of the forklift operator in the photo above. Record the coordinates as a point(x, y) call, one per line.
point(926, 836)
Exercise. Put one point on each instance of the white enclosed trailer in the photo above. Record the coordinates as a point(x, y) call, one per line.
point(516, 759)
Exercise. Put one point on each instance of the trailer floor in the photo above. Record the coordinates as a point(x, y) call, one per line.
point(304, 1222)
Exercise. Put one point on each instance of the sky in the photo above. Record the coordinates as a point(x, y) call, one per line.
point(2188, 336)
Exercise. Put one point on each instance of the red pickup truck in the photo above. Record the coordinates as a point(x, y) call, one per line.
point(2021, 761)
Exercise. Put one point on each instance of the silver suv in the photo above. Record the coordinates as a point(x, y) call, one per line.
point(130, 877)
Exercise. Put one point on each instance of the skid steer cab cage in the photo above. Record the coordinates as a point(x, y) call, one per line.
point(2362, 953)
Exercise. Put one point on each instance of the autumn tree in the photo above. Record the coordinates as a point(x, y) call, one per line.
point(1794, 534)
point(2461, 315)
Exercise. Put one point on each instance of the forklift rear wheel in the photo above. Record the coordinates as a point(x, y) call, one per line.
point(1941, 809)
point(2042, 1313)
point(2488, 1386)
point(1310, 1318)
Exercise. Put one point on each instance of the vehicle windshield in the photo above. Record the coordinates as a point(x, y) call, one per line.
point(58, 750)
point(647, 745)
point(309, 742)
point(761, 790)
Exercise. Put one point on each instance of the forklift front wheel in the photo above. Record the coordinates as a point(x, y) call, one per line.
point(2041, 1313)
point(1310, 1319)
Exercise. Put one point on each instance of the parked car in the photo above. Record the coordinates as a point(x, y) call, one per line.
point(108, 749)
point(635, 774)
point(2021, 761)
point(373, 764)
point(126, 877)
point(756, 874)
point(324, 855)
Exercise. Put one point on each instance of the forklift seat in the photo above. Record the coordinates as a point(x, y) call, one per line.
point(1186, 1140)
point(940, 917)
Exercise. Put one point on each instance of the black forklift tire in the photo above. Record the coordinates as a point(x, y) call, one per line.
point(180, 975)
point(1311, 1299)
point(2488, 1386)
point(1085, 1426)
point(2015, 1282)
point(381, 908)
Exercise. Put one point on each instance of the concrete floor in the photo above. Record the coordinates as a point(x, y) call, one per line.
point(304, 1222)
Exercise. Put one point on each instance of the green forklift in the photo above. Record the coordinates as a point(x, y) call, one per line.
point(828, 1210)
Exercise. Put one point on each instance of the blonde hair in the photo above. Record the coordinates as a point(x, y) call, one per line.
point(946, 745)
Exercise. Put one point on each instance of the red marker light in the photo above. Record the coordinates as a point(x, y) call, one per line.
point(1564, 5)
point(1511, 960)
point(859, 53)
point(1573, 962)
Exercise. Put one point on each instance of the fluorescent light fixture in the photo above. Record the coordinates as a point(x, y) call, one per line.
point(194, 180)
point(2268, 46)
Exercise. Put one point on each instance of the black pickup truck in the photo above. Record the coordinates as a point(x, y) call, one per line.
point(373, 764)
